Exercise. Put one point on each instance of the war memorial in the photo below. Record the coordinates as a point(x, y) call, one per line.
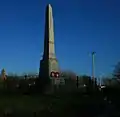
point(49, 67)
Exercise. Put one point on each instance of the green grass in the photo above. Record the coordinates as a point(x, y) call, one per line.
point(22, 102)
point(60, 106)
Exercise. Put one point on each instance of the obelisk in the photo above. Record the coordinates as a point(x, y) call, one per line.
point(49, 62)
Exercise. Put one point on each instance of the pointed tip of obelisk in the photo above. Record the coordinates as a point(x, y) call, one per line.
point(49, 6)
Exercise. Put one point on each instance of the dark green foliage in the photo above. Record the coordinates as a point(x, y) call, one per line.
point(86, 80)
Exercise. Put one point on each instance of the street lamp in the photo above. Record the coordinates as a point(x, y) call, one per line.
point(93, 65)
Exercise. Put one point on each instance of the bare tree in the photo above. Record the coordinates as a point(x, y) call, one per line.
point(68, 74)
point(116, 72)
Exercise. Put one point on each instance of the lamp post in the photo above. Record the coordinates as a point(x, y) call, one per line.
point(93, 65)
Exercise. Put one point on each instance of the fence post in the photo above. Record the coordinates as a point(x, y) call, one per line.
point(77, 82)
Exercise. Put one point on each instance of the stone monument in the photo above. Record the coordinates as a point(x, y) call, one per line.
point(3, 74)
point(49, 63)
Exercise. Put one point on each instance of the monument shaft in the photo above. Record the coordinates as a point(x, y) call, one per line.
point(49, 62)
